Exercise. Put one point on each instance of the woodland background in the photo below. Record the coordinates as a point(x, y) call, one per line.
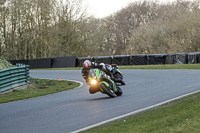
point(34, 29)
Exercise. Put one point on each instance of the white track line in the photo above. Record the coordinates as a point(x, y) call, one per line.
point(134, 112)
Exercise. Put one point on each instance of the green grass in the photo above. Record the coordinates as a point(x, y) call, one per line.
point(70, 68)
point(4, 64)
point(180, 116)
point(173, 66)
point(38, 87)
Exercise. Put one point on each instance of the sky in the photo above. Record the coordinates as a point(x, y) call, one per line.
point(103, 8)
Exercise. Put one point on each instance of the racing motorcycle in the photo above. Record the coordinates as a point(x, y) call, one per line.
point(100, 81)
point(118, 75)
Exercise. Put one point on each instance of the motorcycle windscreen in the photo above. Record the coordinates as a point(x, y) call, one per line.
point(92, 73)
point(96, 73)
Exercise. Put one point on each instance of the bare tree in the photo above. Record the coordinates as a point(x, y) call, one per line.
point(39, 29)
point(175, 30)
point(3, 12)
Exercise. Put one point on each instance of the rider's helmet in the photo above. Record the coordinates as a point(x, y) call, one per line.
point(87, 64)
point(103, 66)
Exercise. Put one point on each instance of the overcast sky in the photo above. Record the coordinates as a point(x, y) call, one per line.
point(102, 8)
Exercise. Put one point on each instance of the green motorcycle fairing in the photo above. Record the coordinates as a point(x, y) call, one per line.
point(96, 74)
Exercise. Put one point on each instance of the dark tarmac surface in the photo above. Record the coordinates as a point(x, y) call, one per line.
point(75, 109)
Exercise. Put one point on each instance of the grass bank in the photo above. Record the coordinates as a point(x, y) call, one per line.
point(38, 87)
point(4, 64)
point(173, 66)
point(180, 116)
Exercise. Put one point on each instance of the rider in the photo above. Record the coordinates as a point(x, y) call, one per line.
point(87, 65)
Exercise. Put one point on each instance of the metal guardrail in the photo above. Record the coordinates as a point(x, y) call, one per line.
point(14, 77)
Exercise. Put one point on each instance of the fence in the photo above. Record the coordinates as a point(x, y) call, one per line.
point(58, 62)
point(14, 77)
point(150, 59)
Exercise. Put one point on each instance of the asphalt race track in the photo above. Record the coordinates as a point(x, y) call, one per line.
point(75, 109)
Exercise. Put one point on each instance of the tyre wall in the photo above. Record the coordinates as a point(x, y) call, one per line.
point(150, 59)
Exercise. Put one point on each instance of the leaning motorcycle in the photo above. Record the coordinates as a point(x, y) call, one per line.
point(99, 81)
point(118, 75)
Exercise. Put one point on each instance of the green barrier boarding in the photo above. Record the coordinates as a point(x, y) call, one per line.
point(14, 77)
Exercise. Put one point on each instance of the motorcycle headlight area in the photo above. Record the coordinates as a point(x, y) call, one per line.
point(93, 81)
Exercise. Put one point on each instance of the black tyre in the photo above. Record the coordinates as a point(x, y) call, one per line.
point(119, 77)
point(122, 82)
point(107, 91)
point(119, 91)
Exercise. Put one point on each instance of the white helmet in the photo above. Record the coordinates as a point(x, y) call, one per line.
point(104, 66)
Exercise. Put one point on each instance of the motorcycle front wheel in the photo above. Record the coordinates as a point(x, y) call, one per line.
point(107, 91)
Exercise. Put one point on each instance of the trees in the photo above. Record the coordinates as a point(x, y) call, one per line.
point(129, 19)
point(3, 33)
point(174, 31)
point(39, 29)
point(151, 28)
point(48, 28)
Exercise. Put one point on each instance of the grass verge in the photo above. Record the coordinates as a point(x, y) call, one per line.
point(180, 116)
point(173, 66)
point(38, 87)
point(4, 63)
point(69, 68)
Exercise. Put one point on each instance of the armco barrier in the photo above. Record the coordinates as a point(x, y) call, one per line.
point(104, 59)
point(14, 77)
point(121, 59)
point(57, 62)
point(198, 56)
point(150, 59)
point(40, 63)
point(156, 59)
point(138, 60)
point(14, 62)
point(62, 62)
point(170, 59)
point(181, 58)
point(192, 58)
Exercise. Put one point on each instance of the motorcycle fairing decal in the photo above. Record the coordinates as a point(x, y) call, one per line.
point(103, 82)
point(114, 87)
point(101, 90)
point(90, 78)
point(97, 73)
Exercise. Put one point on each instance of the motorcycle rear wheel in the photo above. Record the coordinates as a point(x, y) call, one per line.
point(107, 91)
point(119, 77)
point(119, 91)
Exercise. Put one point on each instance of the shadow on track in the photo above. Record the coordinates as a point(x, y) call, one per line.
point(101, 98)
